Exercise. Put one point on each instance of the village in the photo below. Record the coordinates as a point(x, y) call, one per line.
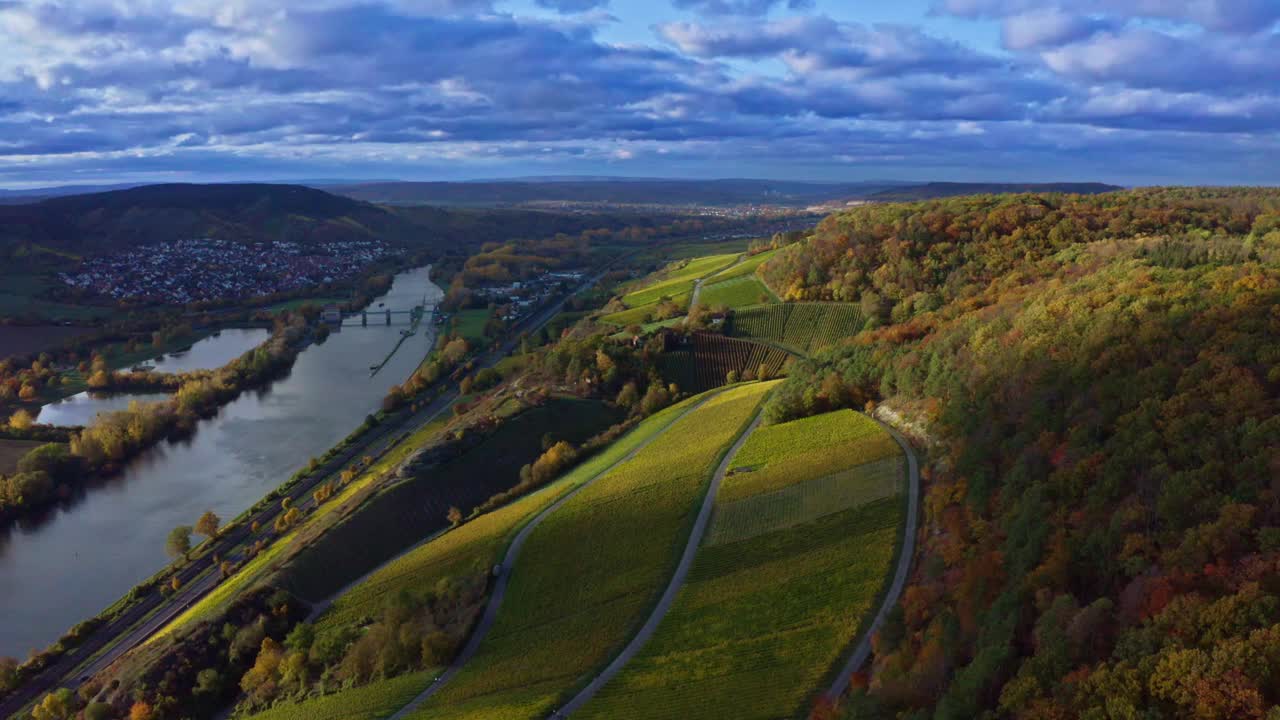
point(205, 269)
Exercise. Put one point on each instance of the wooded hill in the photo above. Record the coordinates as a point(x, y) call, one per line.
point(1100, 381)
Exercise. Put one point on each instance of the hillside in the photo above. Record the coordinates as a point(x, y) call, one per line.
point(1098, 379)
point(933, 190)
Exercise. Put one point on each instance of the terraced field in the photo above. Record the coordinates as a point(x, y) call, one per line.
point(802, 327)
point(767, 614)
point(590, 573)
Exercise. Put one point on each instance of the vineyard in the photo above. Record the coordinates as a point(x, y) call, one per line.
point(768, 611)
point(591, 571)
point(674, 281)
point(708, 360)
point(376, 700)
point(802, 327)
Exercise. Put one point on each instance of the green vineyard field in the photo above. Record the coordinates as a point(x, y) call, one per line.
point(802, 327)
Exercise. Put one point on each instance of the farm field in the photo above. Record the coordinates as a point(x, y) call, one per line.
point(370, 702)
point(478, 543)
point(746, 267)
point(22, 339)
point(735, 292)
point(802, 327)
point(642, 314)
point(20, 298)
point(405, 513)
point(767, 613)
point(674, 281)
point(592, 570)
point(11, 451)
point(713, 357)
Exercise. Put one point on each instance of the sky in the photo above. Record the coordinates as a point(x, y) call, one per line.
point(1134, 92)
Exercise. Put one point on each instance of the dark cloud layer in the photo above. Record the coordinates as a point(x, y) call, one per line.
point(1107, 89)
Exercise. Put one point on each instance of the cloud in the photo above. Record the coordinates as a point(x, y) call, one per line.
point(1230, 16)
point(1048, 27)
point(745, 8)
point(572, 6)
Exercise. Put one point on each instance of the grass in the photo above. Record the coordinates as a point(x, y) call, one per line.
point(768, 612)
point(591, 571)
point(369, 702)
point(643, 314)
point(296, 303)
point(11, 451)
point(479, 543)
point(675, 279)
point(401, 515)
point(760, 623)
point(776, 456)
point(746, 267)
point(735, 292)
point(20, 297)
point(471, 324)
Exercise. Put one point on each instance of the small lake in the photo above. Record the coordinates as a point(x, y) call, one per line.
point(206, 354)
point(82, 408)
point(87, 553)
point(212, 352)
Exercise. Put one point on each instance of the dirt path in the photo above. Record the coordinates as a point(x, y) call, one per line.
point(863, 649)
point(508, 565)
point(673, 587)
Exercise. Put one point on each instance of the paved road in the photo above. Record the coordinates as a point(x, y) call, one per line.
point(863, 649)
point(673, 586)
point(508, 566)
point(193, 587)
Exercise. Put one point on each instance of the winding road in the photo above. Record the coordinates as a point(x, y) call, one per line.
point(148, 615)
point(508, 566)
point(862, 650)
point(673, 586)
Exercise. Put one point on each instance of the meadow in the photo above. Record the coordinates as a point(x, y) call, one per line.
point(747, 266)
point(771, 605)
point(735, 292)
point(592, 570)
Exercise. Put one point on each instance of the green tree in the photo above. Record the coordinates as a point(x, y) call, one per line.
point(178, 543)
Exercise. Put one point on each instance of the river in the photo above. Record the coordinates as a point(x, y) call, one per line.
point(87, 553)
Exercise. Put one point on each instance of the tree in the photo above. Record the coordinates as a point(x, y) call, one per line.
point(141, 711)
point(628, 396)
point(178, 543)
point(21, 420)
point(57, 705)
point(455, 516)
point(175, 583)
point(208, 524)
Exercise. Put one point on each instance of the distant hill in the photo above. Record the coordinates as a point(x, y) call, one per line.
point(101, 222)
point(932, 190)
point(609, 190)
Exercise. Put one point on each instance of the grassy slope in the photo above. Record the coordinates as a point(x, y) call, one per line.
point(746, 267)
point(592, 570)
point(375, 700)
point(736, 292)
point(479, 542)
point(762, 620)
point(482, 541)
point(674, 281)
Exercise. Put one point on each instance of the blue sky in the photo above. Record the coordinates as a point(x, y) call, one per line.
point(1125, 91)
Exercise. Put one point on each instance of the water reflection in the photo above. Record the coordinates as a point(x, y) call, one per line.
point(87, 554)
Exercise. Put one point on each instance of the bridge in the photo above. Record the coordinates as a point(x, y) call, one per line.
point(403, 317)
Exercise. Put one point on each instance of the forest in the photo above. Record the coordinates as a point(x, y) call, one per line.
point(1096, 380)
